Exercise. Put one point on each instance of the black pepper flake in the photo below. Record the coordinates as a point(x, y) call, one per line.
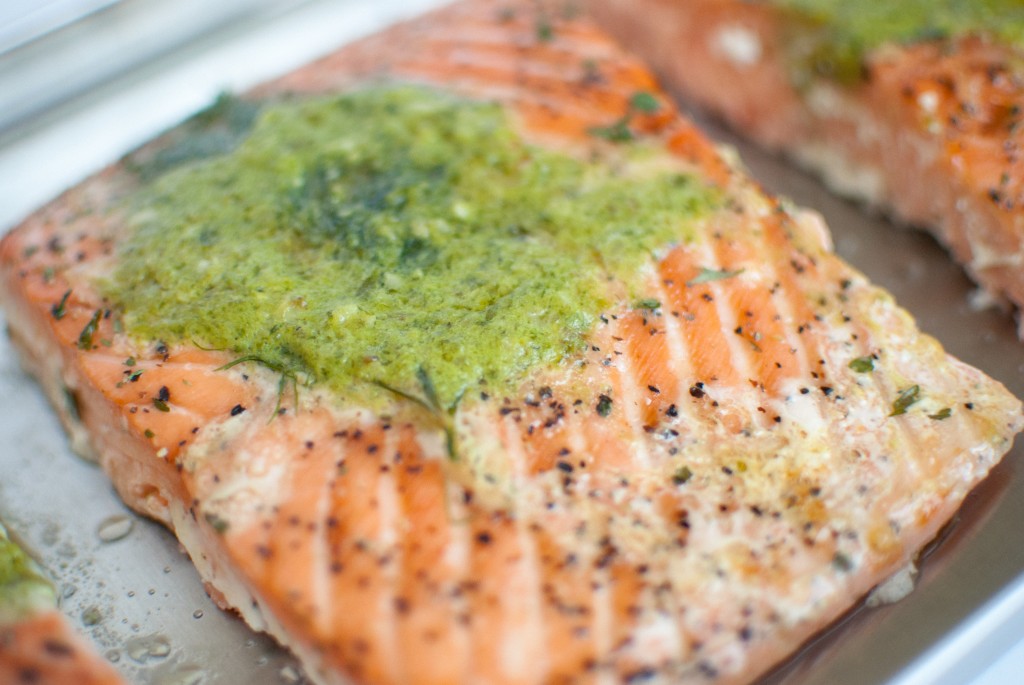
point(697, 391)
point(29, 675)
point(237, 409)
point(672, 411)
point(57, 648)
point(654, 389)
point(604, 405)
point(564, 466)
point(484, 538)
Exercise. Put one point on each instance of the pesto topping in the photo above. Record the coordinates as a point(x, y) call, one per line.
point(842, 31)
point(394, 235)
point(23, 589)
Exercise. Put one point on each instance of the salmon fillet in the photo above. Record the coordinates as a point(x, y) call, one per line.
point(37, 643)
point(924, 125)
point(722, 470)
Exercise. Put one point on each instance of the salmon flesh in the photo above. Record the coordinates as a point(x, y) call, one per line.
point(718, 475)
point(927, 128)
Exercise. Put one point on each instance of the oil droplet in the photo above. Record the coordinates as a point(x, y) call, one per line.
point(115, 527)
point(198, 613)
point(68, 591)
point(91, 616)
point(147, 648)
point(183, 675)
point(290, 675)
point(113, 656)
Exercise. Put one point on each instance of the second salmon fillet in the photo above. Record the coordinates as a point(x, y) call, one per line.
point(460, 356)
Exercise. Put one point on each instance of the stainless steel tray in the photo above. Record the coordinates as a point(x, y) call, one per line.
point(144, 604)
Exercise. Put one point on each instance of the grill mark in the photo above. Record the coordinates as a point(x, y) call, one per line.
point(388, 538)
point(626, 383)
point(678, 357)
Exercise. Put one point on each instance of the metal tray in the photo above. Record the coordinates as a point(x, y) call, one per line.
point(124, 579)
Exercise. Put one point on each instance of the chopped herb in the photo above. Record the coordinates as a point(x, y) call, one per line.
point(619, 132)
point(545, 32)
point(863, 364)
point(682, 475)
point(942, 414)
point(429, 391)
point(85, 337)
point(906, 398)
point(842, 563)
point(149, 434)
point(216, 522)
point(134, 375)
point(709, 275)
point(647, 303)
point(644, 102)
point(160, 404)
point(48, 274)
point(130, 361)
point(59, 310)
point(604, 405)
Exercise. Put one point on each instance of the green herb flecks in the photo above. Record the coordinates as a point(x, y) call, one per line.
point(682, 475)
point(620, 131)
point(647, 303)
point(863, 364)
point(60, 309)
point(905, 399)
point(87, 334)
point(218, 524)
point(711, 275)
point(644, 102)
point(604, 405)
point(942, 414)
point(842, 563)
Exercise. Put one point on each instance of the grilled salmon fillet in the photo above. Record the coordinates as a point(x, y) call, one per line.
point(37, 643)
point(917, 115)
point(750, 437)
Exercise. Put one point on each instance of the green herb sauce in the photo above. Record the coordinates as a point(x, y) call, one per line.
point(843, 31)
point(23, 589)
point(391, 235)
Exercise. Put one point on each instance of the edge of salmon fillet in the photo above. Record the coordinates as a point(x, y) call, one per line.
point(167, 481)
point(928, 134)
